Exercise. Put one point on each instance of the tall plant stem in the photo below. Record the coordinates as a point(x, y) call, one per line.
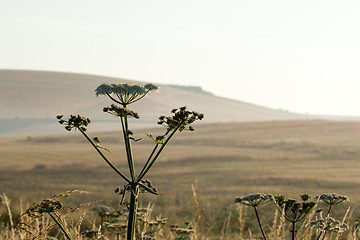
point(330, 208)
point(293, 231)
point(132, 212)
point(258, 218)
point(125, 128)
point(103, 156)
point(63, 230)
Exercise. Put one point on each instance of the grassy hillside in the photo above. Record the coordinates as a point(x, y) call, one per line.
point(40, 96)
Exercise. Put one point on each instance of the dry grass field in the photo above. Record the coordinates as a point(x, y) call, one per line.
point(226, 161)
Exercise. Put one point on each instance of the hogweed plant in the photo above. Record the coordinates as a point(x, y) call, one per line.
point(329, 224)
point(331, 199)
point(124, 94)
point(55, 209)
point(255, 200)
point(293, 210)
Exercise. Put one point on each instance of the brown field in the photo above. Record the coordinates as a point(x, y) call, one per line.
point(226, 161)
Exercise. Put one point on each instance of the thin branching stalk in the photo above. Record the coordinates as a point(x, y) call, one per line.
point(259, 222)
point(157, 154)
point(63, 230)
point(125, 129)
point(103, 156)
point(149, 159)
point(329, 210)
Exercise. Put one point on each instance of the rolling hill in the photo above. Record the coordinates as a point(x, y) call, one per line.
point(30, 100)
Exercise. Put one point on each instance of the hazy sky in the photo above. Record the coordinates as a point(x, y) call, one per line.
point(302, 56)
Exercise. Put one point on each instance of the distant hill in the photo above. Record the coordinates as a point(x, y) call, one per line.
point(30, 100)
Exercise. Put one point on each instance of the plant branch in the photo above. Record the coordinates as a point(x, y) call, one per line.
point(103, 156)
point(148, 161)
point(158, 153)
point(125, 129)
point(258, 219)
point(63, 230)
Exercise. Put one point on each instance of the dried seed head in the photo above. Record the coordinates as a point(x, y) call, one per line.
point(46, 206)
point(331, 198)
point(120, 111)
point(181, 119)
point(78, 122)
point(294, 211)
point(255, 199)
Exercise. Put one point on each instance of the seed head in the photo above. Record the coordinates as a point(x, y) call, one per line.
point(74, 122)
point(294, 211)
point(103, 89)
point(255, 199)
point(46, 206)
point(181, 118)
point(120, 111)
point(331, 198)
point(151, 87)
point(125, 93)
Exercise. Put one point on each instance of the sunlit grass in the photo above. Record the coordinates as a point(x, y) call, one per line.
point(227, 160)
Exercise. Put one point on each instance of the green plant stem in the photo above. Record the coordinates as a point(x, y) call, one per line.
point(125, 128)
point(157, 154)
point(330, 208)
point(103, 156)
point(67, 235)
point(258, 218)
point(132, 212)
point(151, 155)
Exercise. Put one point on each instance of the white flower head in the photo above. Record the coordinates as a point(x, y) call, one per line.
point(125, 93)
point(103, 89)
point(255, 199)
point(118, 89)
point(151, 87)
point(331, 198)
point(137, 89)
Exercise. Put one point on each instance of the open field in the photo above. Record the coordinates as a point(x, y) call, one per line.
point(226, 161)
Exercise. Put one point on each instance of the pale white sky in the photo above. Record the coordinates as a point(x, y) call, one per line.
point(302, 56)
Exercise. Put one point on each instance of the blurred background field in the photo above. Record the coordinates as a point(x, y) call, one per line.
point(222, 161)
